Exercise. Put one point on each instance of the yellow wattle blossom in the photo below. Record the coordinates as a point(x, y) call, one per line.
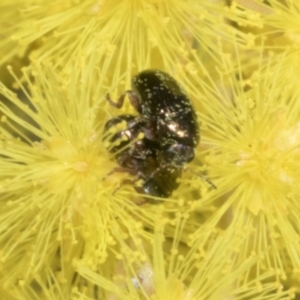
point(69, 229)
point(202, 271)
point(253, 150)
point(57, 201)
point(127, 36)
point(277, 24)
point(280, 19)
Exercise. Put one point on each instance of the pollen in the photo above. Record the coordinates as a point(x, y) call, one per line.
point(61, 147)
point(81, 166)
point(269, 165)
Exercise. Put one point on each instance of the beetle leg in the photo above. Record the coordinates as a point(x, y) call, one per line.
point(122, 170)
point(119, 102)
point(133, 98)
point(146, 126)
point(125, 182)
point(138, 189)
point(117, 120)
point(129, 182)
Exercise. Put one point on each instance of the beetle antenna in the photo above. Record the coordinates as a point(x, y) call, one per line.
point(203, 177)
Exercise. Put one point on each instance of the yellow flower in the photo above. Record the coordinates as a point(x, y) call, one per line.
point(176, 271)
point(252, 135)
point(279, 21)
point(57, 200)
point(128, 36)
point(65, 231)
point(7, 25)
point(279, 32)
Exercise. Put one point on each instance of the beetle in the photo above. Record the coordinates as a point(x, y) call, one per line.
point(166, 115)
point(170, 128)
point(140, 157)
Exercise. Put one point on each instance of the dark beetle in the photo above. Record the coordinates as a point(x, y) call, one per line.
point(166, 115)
point(170, 128)
point(141, 158)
